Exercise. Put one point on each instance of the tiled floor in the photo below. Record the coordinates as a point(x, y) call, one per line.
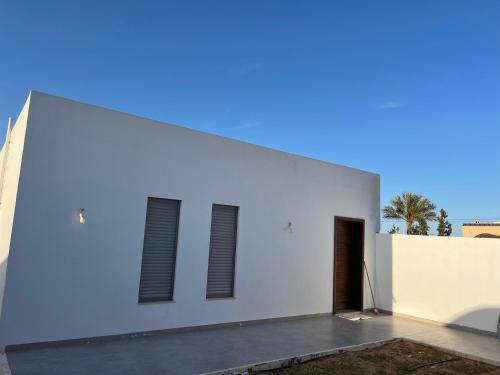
point(220, 348)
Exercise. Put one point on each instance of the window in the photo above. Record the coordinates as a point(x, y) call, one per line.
point(220, 281)
point(160, 250)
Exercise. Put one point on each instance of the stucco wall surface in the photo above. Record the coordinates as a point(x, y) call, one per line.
point(66, 280)
point(11, 155)
point(451, 280)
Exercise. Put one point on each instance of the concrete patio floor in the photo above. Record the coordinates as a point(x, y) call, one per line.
point(214, 349)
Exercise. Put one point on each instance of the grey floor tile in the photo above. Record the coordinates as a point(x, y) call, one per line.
point(220, 348)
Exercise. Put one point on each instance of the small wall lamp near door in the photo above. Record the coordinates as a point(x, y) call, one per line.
point(82, 216)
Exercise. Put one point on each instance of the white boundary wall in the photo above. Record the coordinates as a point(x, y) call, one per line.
point(450, 280)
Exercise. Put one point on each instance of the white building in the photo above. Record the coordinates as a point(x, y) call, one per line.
point(236, 232)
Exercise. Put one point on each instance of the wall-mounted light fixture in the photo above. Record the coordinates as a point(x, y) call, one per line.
point(82, 216)
point(289, 227)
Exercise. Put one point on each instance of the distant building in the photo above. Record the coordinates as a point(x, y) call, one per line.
point(481, 230)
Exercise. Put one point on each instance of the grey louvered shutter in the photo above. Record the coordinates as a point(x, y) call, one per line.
point(220, 281)
point(160, 250)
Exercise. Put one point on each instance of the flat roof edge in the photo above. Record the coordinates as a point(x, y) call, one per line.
point(36, 92)
point(481, 224)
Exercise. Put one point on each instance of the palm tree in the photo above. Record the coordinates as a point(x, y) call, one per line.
point(412, 208)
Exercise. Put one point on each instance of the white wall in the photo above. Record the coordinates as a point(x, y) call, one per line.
point(451, 280)
point(66, 280)
point(13, 159)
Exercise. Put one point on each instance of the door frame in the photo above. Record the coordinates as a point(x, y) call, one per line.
point(356, 220)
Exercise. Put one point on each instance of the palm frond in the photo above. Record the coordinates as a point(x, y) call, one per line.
point(412, 208)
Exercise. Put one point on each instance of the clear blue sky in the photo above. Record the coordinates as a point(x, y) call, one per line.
point(407, 89)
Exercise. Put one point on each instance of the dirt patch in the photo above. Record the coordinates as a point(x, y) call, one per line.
point(397, 357)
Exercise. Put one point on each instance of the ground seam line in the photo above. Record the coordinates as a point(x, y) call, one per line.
point(286, 361)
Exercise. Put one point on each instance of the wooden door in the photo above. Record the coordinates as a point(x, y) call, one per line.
point(348, 264)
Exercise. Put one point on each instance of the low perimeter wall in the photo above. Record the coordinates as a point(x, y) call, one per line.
point(450, 280)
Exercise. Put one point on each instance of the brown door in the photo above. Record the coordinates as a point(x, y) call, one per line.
point(348, 264)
